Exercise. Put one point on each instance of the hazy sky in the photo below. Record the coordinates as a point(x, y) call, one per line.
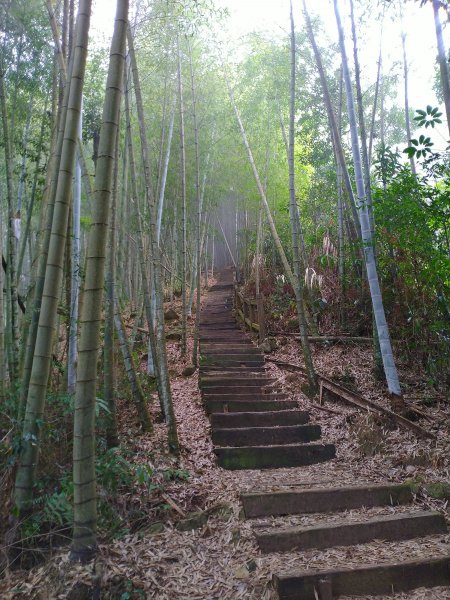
point(273, 15)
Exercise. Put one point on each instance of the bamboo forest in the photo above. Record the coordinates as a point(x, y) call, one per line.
point(224, 299)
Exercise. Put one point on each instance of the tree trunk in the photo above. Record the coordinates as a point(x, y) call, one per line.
point(443, 61)
point(162, 187)
point(110, 380)
point(84, 540)
point(375, 101)
point(335, 137)
point(11, 281)
point(199, 216)
point(183, 206)
point(41, 365)
point(375, 292)
point(161, 355)
point(135, 386)
point(407, 121)
point(295, 222)
point(2, 327)
point(75, 275)
point(377, 358)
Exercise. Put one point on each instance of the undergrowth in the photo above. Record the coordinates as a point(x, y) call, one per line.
point(130, 488)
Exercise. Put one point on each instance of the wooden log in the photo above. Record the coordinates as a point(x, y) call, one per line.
point(274, 457)
point(371, 579)
point(259, 419)
point(342, 533)
point(266, 436)
point(291, 502)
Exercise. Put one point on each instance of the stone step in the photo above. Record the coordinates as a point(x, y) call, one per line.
point(274, 457)
point(240, 340)
point(266, 436)
point(249, 397)
point(234, 406)
point(233, 353)
point(217, 319)
point(207, 369)
point(266, 504)
point(236, 390)
point(258, 419)
point(221, 379)
point(374, 579)
point(205, 328)
point(226, 340)
point(221, 286)
point(234, 361)
point(246, 349)
point(341, 533)
point(255, 381)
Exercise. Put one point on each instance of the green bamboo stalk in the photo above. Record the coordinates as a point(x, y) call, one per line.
point(42, 359)
point(84, 541)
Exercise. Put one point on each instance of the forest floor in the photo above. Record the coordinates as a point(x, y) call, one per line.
point(219, 559)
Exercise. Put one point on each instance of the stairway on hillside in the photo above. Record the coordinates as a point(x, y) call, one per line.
point(256, 426)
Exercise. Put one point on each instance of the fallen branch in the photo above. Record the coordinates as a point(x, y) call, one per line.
point(356, 400)
point(326, 409)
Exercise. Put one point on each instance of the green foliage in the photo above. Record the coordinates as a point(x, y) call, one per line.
point(428, 117)
point(413, 243)
point(420, 147)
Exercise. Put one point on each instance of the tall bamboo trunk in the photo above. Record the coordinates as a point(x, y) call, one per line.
point(162, 186)
point(443, 60)
point(2, 327)
point(149, 310)
point(375, 100)
point(372, 275)
point(335, 137)
point(183, 205)
point(47, 213)
point(198, 215)
point(42, 359)
point(295, 223)
point(84, 541)
point(130, 368)
point(37, 169)
point(110, 379)
point(377, 359)
point(11, 282)
point(161, 354)
point(406, 100)
point(75, 274)
point(340, 217)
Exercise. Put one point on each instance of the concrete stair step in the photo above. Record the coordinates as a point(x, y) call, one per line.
point(250, 396)
point(342, 533)
point(230, 354)
point(232, 349)
point(374, 579)
point(236, 390)
point(246, 396)
point(266, 436)
point(233, 360)
point(232, 369)
point(241, 381)
point(258, 419)
point(274, 457)
point(234, 406)
point(266, 504)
